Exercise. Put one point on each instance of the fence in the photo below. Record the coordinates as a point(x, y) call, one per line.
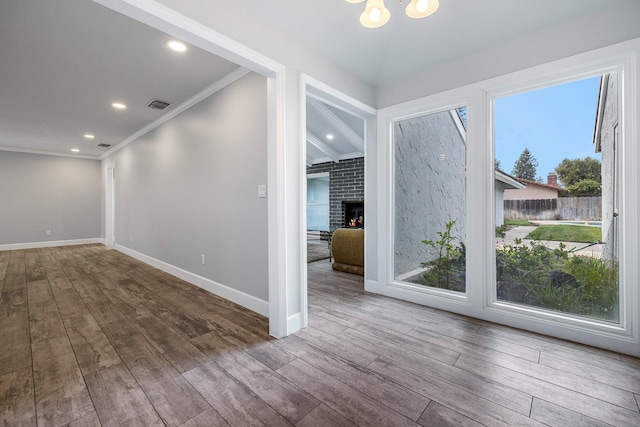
point(577, 208)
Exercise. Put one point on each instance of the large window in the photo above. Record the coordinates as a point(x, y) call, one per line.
point(527, 212)
point(429, 200)
point(556, 245)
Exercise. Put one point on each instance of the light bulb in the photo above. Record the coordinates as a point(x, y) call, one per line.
point(374, 14)
point(422, 8)
point(422, 5)
point(177, 46)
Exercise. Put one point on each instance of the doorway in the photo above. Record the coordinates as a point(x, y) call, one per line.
point(335, 131)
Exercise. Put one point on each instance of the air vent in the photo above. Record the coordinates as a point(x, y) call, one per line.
point(104, 145)
point(157, 104)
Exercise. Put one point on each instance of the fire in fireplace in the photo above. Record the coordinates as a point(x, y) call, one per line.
point(353, 214)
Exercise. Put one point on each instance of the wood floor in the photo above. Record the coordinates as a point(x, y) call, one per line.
point(90, 337)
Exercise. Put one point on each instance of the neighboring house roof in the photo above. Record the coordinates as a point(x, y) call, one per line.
point(527, 182)
point(509, 181)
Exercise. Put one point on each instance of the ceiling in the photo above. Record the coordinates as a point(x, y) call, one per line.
point(65, 62)
point(404, 45)
point(332, 133)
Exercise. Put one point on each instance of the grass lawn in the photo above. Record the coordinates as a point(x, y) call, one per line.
point(516, 222)
point(567, 233)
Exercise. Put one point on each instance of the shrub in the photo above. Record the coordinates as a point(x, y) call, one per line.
point(447, 271)
point(554, 280)
point(585, 187)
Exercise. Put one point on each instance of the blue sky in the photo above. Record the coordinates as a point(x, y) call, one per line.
point(553, 123)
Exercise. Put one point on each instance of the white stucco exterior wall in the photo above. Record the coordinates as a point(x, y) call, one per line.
point(499, 190)
point(429, 188)
point(610, 190)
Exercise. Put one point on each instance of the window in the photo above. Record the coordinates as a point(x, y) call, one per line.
point(556, 247)
point(448, 204)
point(318, 202)
point(429, 205)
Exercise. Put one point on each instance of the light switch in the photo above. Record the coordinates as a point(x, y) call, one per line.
point(262, 191)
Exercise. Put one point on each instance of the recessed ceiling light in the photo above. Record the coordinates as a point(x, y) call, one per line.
point(75, 150)
point(119, 105)
point(330, 136)
point(177, 46)
point(89, 136)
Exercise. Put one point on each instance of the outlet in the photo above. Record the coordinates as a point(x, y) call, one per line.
point(49, 233)
point(262, 191)
point(202, 260)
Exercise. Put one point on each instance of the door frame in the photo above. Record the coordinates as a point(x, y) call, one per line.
point(311, 87)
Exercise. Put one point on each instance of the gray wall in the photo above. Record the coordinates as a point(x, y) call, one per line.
point(346, 183)
point(190, 188)
point(429, 192)
point(40, 193)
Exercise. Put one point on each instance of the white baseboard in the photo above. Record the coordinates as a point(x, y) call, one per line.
point(241, 298)
point(49, 244)
point(294, 323)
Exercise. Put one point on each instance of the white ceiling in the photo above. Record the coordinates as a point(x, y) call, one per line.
point(332, 133)
point(404, 45)
point(63, 62)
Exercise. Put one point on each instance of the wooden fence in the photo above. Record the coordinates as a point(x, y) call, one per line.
point(573, 208)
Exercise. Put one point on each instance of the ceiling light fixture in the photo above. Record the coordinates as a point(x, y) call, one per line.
point(119, 106)
point(177, 46)
point(376, 14)
point(75, 150)
point(330, 136)
point(89, 136)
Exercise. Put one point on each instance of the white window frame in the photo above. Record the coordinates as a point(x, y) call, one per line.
point(478, 301)
point(429, 292)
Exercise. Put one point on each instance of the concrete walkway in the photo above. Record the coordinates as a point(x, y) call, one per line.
point(523, 231)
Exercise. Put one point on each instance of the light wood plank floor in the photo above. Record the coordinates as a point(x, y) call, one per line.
point(91, 337)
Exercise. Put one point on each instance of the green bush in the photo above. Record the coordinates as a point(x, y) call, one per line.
point(533, 275)
point(447, 271)
point(585, 187)
point(501, 231)
point(554, 280)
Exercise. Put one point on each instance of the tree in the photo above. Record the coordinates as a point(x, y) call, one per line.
point(571, 172)
point(525, 167)
point(498, 165)
point(585, 187)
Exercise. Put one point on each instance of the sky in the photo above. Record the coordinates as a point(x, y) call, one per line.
point(554, 123)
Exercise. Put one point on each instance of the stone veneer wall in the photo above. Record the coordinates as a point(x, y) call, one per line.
point(346, 183)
